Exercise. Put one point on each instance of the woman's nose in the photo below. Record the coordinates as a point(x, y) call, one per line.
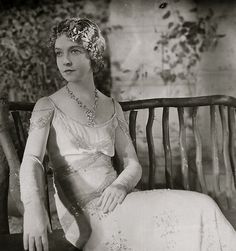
point(67, 61)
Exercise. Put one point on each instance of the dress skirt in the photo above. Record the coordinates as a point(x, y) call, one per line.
point(158, 220)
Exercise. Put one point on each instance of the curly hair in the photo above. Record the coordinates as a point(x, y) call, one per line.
point(85, 32)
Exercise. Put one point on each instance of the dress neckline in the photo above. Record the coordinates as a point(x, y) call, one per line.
point(85, 125)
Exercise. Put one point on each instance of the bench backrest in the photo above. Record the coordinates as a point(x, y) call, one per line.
point(225, 105)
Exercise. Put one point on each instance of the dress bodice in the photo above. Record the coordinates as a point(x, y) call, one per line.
point(81, 155)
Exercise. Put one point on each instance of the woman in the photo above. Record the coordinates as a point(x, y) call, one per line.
point(81, 129)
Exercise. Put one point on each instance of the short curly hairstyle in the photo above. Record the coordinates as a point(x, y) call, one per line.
point(85, 32)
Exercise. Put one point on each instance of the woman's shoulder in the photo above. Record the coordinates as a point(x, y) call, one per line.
point(107, 103)
point(58, 96)
point(42, 113)
point(43, 103)
point(47, 102)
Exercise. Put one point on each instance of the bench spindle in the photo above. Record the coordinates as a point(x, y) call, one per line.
point(198, 144)
point(228, 171)
point(183, 147)
point(215, 154)
point(132, 127)
point(151, 151)
point(232, 128)
point(19, 131)
point(167, 148)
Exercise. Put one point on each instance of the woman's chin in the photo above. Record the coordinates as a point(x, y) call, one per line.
point(70, 78)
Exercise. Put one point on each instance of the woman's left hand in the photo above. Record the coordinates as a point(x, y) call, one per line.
point(111, 196)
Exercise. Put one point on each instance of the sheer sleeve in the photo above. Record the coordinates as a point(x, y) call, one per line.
point(32, 170)
point(125, 151)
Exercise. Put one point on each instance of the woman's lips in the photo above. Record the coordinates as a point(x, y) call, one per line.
point(68, 71)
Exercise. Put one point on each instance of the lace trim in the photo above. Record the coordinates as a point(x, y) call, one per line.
point(40, 122)
point(124, 127)
point(84, 165)
point(84, 201)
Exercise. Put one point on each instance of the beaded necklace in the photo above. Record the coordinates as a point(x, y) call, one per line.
point(90, 113)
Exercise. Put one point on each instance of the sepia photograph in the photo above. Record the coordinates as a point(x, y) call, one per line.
point(117, 125)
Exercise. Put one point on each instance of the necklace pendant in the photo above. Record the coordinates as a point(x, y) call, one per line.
point(91, 124)
point(90, 114)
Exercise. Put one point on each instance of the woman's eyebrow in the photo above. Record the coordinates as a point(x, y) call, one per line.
point(71, 47)
point(76, 47)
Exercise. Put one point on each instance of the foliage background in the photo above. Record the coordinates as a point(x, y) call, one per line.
point(28, 69)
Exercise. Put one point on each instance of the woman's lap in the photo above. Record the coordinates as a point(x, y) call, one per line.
point(159, 220)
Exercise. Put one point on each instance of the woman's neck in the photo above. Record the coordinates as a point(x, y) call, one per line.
point(83, 87)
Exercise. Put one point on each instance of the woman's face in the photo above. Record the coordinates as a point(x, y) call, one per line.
point(72, 59)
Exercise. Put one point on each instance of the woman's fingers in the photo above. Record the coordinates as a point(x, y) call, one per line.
point(99, 203)
point(45, 242)
point(110, 198)
point(31, 243)
point(113, 205)
point(121, 198)
point(26, 241)
point(107, 203)
point(38, 243)
point(117, 200)
point(104, 200)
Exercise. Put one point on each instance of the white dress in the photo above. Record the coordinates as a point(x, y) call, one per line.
point(156, 220)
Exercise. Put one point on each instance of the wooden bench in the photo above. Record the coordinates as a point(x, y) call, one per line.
point(13, 148)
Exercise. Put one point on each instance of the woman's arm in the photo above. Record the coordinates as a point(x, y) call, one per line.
point(132, 172)
point(32, 186)
point(126, 154)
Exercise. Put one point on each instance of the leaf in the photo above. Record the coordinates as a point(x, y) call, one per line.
point(181, 76)
point(197, 56)
point(117, 78)
point(201, 31)
point(183, 31)
point(181, 18)
point(163, 5)
point(170, 25)
point(172, 77)
point(184, 47)
point(117, 27)
point(193, 10)
point(221, 35)
point(167, 15)
point(211, 12)
point(174, 47)
point(126, 71)
point(189, 24)
point(201, 48)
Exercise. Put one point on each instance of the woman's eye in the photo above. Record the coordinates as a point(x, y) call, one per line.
point(58, 53)
point(76, 51)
